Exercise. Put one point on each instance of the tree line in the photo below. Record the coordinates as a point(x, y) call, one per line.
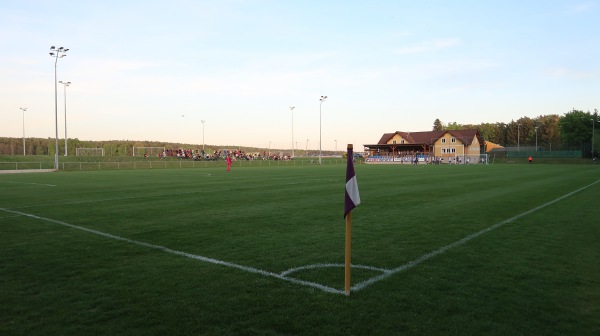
point(571, 131)
point(47, 146)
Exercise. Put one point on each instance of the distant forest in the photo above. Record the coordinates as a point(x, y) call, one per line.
point(47, 146)
point(572, 131)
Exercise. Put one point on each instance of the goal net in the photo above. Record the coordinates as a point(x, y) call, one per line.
point(151, 151)
point(471, 159)
point(89, 151)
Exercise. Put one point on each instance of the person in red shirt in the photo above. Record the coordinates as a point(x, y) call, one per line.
point(530, 160)
point(228, 162)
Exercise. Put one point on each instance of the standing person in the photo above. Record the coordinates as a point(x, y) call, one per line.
point(228, 162)
point(530, 160)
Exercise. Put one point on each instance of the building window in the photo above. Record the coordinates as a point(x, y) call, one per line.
point(453, 140)
point(401, 141)
point(394, 142)
point(453, 150)
point(443, 140)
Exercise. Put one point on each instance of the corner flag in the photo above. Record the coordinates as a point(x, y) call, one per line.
point(352, 196)
point(352, 201)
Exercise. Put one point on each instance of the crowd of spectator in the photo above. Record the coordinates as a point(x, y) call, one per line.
point(236, 154)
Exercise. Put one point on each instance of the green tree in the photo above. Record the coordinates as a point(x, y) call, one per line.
point(437, 125)
point(454, 126)
point(575, 128)
point(548, 131)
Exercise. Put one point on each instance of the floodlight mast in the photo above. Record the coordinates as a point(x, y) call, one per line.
point(594, 129)
point(322, 99)
point(65, 85)
point(56, 53)
point(518, 137)
point(202, 121)
point(23, 109)
point(292, 109)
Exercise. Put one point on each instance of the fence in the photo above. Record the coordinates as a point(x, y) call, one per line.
point(158, 164)
point(576, 154)
point(26, 165)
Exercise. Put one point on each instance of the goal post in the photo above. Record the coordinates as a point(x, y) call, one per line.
point(476, 158)
point(89, 151)
point(473, 159)
point(151, 151)
point(464, 158)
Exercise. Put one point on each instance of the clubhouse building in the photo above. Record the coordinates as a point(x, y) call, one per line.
point(451, 146)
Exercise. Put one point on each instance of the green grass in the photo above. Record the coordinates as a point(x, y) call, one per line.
point(537, 274)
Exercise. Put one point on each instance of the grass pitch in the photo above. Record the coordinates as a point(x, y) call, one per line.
point(469, 250)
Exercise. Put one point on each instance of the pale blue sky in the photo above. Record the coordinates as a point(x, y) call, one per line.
point(151, 70)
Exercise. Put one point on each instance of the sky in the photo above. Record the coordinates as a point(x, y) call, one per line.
point(153, 70)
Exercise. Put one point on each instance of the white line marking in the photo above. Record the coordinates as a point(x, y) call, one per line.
point(313, 266)
point(184, 254)
point(462, 241)
point(283, 275)
point(40, 184)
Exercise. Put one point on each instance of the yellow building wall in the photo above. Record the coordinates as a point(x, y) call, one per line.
point(474, 148)
point(398, 140)
point(458, 146)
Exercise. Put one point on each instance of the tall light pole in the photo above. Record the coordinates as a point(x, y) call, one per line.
point(335, 145)
point(594, 129)
point(292, 109)
point(536, 147)
point(65, 85)
point(518, 137)
point(23, 109)
point(202, 121)
point(57, 53)
point(322, 99)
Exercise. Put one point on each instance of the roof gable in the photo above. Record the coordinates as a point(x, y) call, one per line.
point(430, 137)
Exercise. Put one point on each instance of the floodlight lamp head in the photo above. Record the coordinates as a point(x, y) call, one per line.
point(52, 54)
point(66, 50)
point(52, 48)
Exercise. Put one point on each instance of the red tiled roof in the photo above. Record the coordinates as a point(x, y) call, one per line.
point(385, 138)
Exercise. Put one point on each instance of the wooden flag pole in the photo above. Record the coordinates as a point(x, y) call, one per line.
point(348, 256)
point(348, 253)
